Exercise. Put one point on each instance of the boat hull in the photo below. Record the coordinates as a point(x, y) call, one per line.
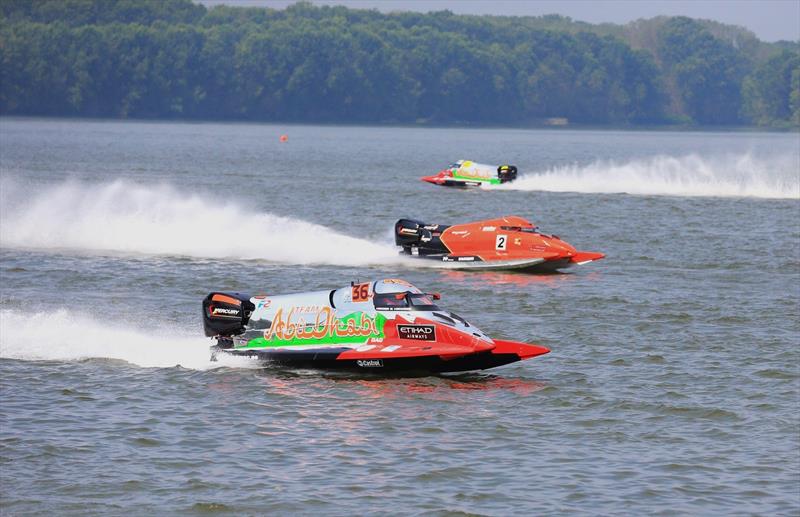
point(348, 359)
point(504, 243)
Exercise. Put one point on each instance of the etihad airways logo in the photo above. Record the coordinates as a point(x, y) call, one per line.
point(417, 332)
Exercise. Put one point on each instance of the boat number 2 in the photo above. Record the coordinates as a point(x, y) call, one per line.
point(501, 243)
point(361, 292)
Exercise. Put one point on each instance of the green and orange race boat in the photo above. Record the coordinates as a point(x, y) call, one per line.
point(466, 173)
point(381, 326)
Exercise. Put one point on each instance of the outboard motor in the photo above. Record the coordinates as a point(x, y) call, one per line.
point(407, 232)
point(417, 237)
point(226, 314)
point(507, 173)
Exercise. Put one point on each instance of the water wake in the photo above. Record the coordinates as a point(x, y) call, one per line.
point(65, 336)
point(161, 220)
point(691, 175)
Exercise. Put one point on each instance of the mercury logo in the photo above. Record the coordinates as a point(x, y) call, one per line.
point(226, 312)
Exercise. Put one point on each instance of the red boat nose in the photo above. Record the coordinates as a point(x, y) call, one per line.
point(439, 177)
point(432, 179)
point(523, 350)
point(583, 257)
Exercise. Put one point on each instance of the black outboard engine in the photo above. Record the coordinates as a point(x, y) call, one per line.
point(418, 238)
point(407, 232)
point(226, 314)
point(507, 173)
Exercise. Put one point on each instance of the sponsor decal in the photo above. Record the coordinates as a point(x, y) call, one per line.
point(466, 259)
point(470, 170)
point(517, 241)
point(370, 363)
point(390, 348)
point(285, 327)
point(417, 332)
point(263, 302)
point(307, 308)
point(222, 311)
point(365, 348)
point(489, 228)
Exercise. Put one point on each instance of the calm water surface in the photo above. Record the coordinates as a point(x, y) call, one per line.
point(673, 385)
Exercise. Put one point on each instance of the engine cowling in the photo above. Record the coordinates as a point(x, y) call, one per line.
point(226, 314)
point(416, 236)
point(507, 173)
point(408, 232)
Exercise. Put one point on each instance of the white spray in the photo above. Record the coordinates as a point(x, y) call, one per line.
point(64, 336)
point(160, 220)
point(741, 175)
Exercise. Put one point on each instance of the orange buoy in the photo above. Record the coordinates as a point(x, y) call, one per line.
point(284, 138)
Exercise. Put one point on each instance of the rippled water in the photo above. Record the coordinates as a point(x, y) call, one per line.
point(672, 387)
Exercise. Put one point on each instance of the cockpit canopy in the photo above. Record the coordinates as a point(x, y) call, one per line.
point(394, 285)
point(406, 301)
point(393, 294)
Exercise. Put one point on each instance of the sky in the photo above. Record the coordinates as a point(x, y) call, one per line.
point(770, 20)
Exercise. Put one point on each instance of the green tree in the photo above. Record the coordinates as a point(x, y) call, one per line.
point(175, 58)
point(708, 72)
point(772, 92)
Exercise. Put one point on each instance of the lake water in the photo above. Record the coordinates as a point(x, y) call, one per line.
point(673, 384)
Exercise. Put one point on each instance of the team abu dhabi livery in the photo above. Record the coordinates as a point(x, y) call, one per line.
point(466, 173)
point(509, 242)
point(385, 325)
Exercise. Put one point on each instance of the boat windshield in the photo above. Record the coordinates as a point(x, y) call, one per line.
point(422, 302)
point(523, 229)
point(404, 302)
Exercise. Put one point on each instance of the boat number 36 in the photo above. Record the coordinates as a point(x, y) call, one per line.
point(361, 292)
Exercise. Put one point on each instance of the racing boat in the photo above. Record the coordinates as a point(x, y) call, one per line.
point(509, 242)
point(382, 326)
point(466, 173)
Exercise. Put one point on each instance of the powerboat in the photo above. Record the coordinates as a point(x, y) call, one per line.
point(386, 325)
point(509, 242)
point(466, 173)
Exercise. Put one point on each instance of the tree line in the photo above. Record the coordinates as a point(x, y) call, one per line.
point(178, 59)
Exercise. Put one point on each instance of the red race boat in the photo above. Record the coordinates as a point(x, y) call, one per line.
point(509, 242)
